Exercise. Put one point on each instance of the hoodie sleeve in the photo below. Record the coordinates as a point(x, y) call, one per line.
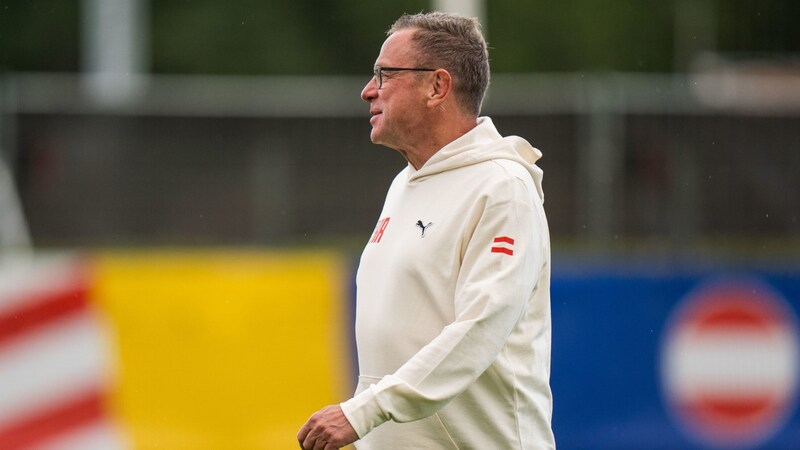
point(491, 295)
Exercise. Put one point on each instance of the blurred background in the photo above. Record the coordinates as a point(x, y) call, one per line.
point(185, 187)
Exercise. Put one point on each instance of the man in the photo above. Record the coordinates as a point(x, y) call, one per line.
point(453, 287)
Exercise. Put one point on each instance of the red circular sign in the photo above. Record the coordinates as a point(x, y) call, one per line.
point(729, 363)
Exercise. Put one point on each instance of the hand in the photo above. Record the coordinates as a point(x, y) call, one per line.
point(326, 429)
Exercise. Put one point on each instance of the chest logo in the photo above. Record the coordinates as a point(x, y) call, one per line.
point(377, 235)
point(423, 227)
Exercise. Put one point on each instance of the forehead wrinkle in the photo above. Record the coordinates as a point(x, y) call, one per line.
point(398, 50)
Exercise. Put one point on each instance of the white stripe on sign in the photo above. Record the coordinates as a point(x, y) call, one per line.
point(102, 435)
point(731, 362)
point(51, 364)
point(20, 281)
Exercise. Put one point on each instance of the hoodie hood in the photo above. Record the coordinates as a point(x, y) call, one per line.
point(482, 143)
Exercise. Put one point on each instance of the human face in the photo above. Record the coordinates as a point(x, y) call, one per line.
point(398, 107)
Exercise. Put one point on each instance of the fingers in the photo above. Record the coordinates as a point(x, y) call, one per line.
point(320, 445)
point(327, 429)
point(315, 442)
point(311, 434)
point(308, 436)
point(303, 434)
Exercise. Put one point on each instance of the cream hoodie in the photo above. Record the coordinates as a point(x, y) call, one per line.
point(453, 304)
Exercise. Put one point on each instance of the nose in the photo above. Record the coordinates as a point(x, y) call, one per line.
point(370, 91)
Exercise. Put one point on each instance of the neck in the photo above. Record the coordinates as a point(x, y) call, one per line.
point(440, 133)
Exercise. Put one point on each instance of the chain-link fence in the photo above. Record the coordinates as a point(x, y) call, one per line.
point(261, 161)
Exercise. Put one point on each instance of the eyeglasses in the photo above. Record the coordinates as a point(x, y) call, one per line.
point(378, 71)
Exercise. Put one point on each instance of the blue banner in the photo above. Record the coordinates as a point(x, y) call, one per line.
point(649, 357)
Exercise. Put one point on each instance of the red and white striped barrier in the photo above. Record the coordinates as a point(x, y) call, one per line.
point(55, 360)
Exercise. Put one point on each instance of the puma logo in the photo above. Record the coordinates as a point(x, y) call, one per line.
point(423, 226)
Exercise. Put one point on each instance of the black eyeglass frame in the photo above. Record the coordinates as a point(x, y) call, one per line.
point(378, 72)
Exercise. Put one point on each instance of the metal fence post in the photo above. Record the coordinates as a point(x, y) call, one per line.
point(600, 161)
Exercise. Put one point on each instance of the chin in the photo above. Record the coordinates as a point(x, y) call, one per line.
point(375, 136)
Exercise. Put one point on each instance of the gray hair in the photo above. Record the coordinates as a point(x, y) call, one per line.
point(454, 43)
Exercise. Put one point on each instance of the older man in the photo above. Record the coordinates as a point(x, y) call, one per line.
point(453, 287)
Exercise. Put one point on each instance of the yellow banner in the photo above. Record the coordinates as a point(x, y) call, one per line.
point(224, 349)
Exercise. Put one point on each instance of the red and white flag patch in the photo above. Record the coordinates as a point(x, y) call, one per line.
point(503, 244)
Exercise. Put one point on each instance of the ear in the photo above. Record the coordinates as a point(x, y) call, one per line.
point(440, 88)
